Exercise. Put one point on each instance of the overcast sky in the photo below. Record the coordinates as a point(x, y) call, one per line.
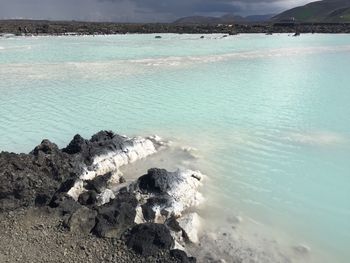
point(137, 10)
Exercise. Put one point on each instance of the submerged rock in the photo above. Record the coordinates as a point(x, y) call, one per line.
point(190, 224)
point(302, 249)
point(148, 239)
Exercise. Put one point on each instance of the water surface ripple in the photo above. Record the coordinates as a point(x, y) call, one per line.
point(269, 116)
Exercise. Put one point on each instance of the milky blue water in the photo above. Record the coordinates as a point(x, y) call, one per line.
point(269, 115)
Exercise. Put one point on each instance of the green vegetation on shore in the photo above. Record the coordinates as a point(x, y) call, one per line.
point(336, 11)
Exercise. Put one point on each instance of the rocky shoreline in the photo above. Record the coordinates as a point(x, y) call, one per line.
point(72, 197)
point(75, 205)
point(38, 27)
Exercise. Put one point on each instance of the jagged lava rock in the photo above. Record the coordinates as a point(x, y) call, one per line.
point(61, 201)
point(116, 216)
point(99, 183)
point(105, 197)
point(147, 239)
point(182, 256)
point(88, 198)
point(173, 191)
point(32, 179)
point(104, 154)
point(82, 221)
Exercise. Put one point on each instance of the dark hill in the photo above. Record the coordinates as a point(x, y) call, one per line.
point(337, 11)
point(226, 19)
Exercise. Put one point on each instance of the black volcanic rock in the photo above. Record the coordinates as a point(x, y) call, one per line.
point(40, 177)
point(147, 239)
point(173, 225)
point(155, 181)
point(64, 204)
point(104, 142)
point(99, 144)
point(163, 200)
point(32, 179)
point(46, 147)
point(82, 221)
point(46, 175)
point(181, 256)
point(88, 198)
point(99, 183)
point(102, 136)
point(77, 145)
point(148, 212)
point(117, 216)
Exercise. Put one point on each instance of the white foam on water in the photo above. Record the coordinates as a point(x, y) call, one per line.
point(282, 52)
point(244, 239)
point(71, 70)
point(316, 138)
point(125, 67)
point(243, 243)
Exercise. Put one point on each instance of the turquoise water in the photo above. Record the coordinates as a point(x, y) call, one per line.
point(269, 115)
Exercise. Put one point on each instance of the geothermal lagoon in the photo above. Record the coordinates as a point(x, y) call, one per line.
point(266, 119)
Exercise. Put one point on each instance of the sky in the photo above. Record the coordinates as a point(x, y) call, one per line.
point(137, 10)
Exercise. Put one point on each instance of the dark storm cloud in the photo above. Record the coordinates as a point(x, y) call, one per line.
point(136, 10)
point(181, 7)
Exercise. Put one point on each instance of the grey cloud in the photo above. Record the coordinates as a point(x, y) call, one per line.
point(136, 10)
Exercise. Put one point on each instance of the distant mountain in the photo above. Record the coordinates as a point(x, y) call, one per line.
point(226, 19)
point(320, 11)
point(340, 15)
point(259, 18)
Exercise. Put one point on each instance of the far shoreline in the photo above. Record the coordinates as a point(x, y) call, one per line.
point(59, 28)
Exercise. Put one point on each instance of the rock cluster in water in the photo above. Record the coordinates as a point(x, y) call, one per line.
point(83, 183)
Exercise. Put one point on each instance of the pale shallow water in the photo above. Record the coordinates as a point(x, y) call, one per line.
point(269, 115)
